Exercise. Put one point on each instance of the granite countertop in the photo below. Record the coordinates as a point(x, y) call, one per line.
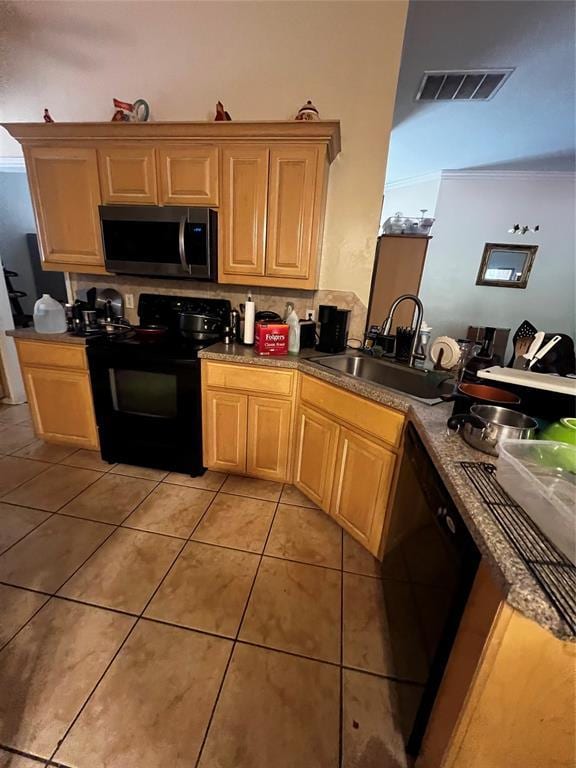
point(519, 586)
point(60, 338)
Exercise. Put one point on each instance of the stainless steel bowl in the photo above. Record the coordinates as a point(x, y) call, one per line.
point(486, 425)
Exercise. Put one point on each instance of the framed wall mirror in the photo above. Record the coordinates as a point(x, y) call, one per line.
point(506, 266)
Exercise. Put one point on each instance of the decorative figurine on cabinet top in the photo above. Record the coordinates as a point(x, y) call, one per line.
point(47, 117)
point(307, 112)
point(221, 113)
point(126, 112)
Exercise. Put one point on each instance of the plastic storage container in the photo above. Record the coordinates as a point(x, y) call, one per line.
point(537, 475)
point(49, 315)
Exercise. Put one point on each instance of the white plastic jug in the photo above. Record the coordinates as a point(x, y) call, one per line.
point(49, 315)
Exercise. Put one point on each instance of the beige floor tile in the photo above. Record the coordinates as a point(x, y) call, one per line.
point(207, 589)
point(16, 522)
point(233, 521)
point(381, 632)
point(53, 488)
point(125, 571)
point(252, 487)
point(51, 553)
point(50, 667)
point(153, 706)
point(11, 760)
point(377, 717)
point(146, 473)
point(87, 460)
point(210, 480)
point(14, 472)
point(295, 607)
point(42, 451)
point(15, 436)
point(16, 607)
point(275, 710)
point(15, 414)
point(171, 509)
point(357, 559)
point(292, 495)
point(111, 499)
point(306, 535)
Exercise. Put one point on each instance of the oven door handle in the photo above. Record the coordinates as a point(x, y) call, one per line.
point(186, 267)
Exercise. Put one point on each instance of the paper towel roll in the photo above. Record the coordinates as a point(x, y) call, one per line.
point(249, 312)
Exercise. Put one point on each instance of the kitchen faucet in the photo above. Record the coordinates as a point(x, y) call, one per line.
point(387, 324)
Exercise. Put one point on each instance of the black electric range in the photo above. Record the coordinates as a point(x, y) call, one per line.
point(147, 393)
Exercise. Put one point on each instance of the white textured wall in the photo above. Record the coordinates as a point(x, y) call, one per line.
point(262, 59)
point(476, 208)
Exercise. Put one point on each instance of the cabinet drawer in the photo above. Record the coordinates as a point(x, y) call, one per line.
point(250, 378)
point(51, 354)
point(370, 417)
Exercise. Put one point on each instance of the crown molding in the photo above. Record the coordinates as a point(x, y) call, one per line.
point(12, 165)
point(410, 180)
point(512, 174)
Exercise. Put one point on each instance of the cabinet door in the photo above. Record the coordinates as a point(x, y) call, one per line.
point(316, 443)
point(188, 175)
point(225, 418)
point(61, 406)
point(362, 482)
point(128, 175)
point(290, 244)
point(243, 210)
point(268, 438)
point(66, 193)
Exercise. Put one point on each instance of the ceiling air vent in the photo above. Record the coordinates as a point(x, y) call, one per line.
point(470, 85)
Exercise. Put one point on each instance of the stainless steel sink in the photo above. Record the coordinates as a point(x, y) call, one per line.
point(417, 382)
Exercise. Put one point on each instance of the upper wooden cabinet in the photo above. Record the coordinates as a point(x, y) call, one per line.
point(65, 191)
point(294, 184)
point(268, 181)
point(188, 175)
point(128, 175)
point(272, 215)
point(243, 210)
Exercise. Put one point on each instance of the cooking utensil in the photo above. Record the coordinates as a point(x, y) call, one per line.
point(150, 333)
point(200, 327)
point(544, 350)
point(536, 344)
point(486, 425)
point(116, 305)
point(466, 395)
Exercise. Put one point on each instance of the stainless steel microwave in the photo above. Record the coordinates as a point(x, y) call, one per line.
point(167, 241)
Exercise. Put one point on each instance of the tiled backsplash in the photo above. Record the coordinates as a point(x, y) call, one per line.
point(266, 298)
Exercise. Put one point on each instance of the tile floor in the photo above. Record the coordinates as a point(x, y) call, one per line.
point(153, 619)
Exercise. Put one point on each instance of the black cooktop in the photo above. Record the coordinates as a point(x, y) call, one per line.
point(155, 309)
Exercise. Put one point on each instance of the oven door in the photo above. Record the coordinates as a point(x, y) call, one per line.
point(148, 411)
point(168, 241)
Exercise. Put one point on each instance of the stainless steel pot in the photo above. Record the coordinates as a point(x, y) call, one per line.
point(486, 425)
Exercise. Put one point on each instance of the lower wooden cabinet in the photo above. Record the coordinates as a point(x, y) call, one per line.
point(268, 452)
point(60, 399)
point(247, 420)
point(315, 451)
point(362, 482)
point(224, 430)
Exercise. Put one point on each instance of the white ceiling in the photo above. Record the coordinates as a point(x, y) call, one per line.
point(530, 122)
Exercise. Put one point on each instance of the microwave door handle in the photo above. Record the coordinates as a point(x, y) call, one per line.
point(185, 266)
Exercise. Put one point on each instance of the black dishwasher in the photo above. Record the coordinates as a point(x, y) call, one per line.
point(428, 568)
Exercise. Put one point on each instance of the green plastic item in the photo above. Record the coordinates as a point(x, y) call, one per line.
point(563, 431)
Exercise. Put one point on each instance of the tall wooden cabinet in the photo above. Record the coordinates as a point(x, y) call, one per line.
point(65, 189)
point(268, 182)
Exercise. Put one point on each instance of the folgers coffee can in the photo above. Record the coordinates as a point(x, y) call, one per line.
point(271, 339)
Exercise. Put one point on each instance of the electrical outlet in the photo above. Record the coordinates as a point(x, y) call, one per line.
point(310, 315)
point(129, 300)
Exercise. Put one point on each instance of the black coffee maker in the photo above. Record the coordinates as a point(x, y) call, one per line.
point(334, 324)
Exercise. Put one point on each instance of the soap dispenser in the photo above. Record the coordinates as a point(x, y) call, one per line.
point(293, 329)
